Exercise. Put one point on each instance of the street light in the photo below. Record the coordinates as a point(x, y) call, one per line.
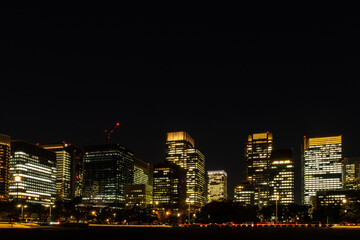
point(50, 206)
point(17, 179)
point(22, 210)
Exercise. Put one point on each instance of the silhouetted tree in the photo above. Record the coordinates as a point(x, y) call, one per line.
point(326, 214)
point(220, 212)
point(350, 213)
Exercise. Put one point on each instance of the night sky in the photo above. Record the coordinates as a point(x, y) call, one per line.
point(67, 74)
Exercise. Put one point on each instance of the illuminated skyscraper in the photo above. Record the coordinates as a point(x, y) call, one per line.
point(281, 177)
point(169, 188)
point(107, 171)
point(257, 154)
point(5, 151)
point(180, 150)
point(321, 165)
point(63, 170)
point(217, 186)
point(32, 174)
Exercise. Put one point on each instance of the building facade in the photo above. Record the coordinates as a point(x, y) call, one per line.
point(336, 197)
point(169, 188)
point(143, 172)
point(63, 170)
point(139, 195)
point(217, 186)
point(77, 170)
point(181, 150)
point(140, 192)
point(32, 174)
point(107, 171)
point(246, 194)
point(257, 154)
point(5, 153)
point(281, 177)
point(351, 173)
point(321, 165)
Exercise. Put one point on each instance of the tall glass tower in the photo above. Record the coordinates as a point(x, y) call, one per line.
point(321, 165)
point(107, 171)
point(257, 154)
point(180, 150)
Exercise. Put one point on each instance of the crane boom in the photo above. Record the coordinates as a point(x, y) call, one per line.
point(108, 133)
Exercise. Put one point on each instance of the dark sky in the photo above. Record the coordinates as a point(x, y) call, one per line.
point(70, 73)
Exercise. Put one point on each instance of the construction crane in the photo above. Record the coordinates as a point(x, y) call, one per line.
point(108, 133)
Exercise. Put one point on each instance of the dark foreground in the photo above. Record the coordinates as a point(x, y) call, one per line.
point(103, 233)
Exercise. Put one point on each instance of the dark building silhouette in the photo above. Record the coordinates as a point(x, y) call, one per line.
point(5, 150)
point(107, 171)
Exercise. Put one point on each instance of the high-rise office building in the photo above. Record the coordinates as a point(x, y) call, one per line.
point(257, 154)
point(5, 152)
point(140, 192)
point(63, 170)
point(143, 172)
point(281, 177)
point(32, 174)
point(77, 169)
point(246, 194)
point(351, 173)
point(107, 171)
point(169, 188)
point(321, 165)
point(217, 186)
point(181, 150)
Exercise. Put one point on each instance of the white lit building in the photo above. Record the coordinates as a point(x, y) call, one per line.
point(32, 174)
point(321, 165)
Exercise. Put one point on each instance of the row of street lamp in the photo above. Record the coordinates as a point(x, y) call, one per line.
point(25, 206)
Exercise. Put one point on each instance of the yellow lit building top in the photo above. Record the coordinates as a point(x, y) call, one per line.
point(322, 141)
point(4, 139)
point(325, 140)
point(180, 136)
point(257, 136)
point(59, 146)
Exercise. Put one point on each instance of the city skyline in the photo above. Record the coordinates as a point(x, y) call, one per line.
point(297, 188)
point(69, 75)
